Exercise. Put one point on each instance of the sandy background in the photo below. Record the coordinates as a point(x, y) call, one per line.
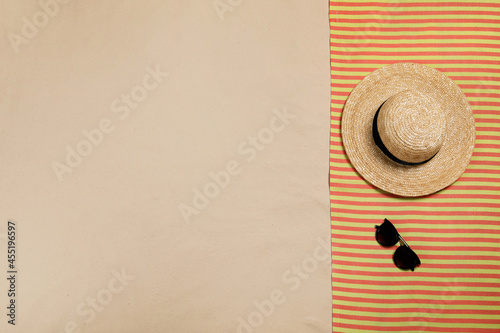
point(166, 163)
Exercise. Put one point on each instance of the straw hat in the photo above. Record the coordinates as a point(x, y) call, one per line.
point(408, 129)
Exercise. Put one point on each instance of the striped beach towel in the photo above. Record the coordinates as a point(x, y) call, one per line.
point(455, 232)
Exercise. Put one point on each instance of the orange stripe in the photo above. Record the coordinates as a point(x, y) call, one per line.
point(455, 78)
point(337, 193)
point(413, 13)
point(417, 274)
point(418, 283)
point(403, 229)
point(478, 137)
point(409, 309)
point(449, 69)
point(420, 61)
point(414, 292)
point(409, 328)
point(414, 4)
point(455, 187)
point(457, 221)
point(416, 204)
point(420, 318)
point(423, 257)
point(439, 266)
point(452, 248)
point(413, 21)
point(462, 179)
point(452, 239)
point(416, 29)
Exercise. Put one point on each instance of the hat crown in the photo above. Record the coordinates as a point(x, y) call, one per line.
point(412, 126)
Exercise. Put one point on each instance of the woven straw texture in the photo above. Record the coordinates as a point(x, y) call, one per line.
point(417, 89)
point(456, 231)
point(413, 126)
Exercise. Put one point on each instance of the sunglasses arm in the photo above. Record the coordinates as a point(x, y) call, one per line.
point(402, 241)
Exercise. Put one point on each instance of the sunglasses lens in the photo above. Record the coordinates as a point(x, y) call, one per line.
point(386, 234)
point(405, 258)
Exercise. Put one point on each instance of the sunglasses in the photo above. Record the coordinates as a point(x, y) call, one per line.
point(404, 257)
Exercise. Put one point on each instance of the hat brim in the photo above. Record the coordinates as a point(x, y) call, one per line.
point(378, 169)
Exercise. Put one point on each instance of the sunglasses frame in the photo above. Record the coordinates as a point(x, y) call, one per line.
point(402, 245)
